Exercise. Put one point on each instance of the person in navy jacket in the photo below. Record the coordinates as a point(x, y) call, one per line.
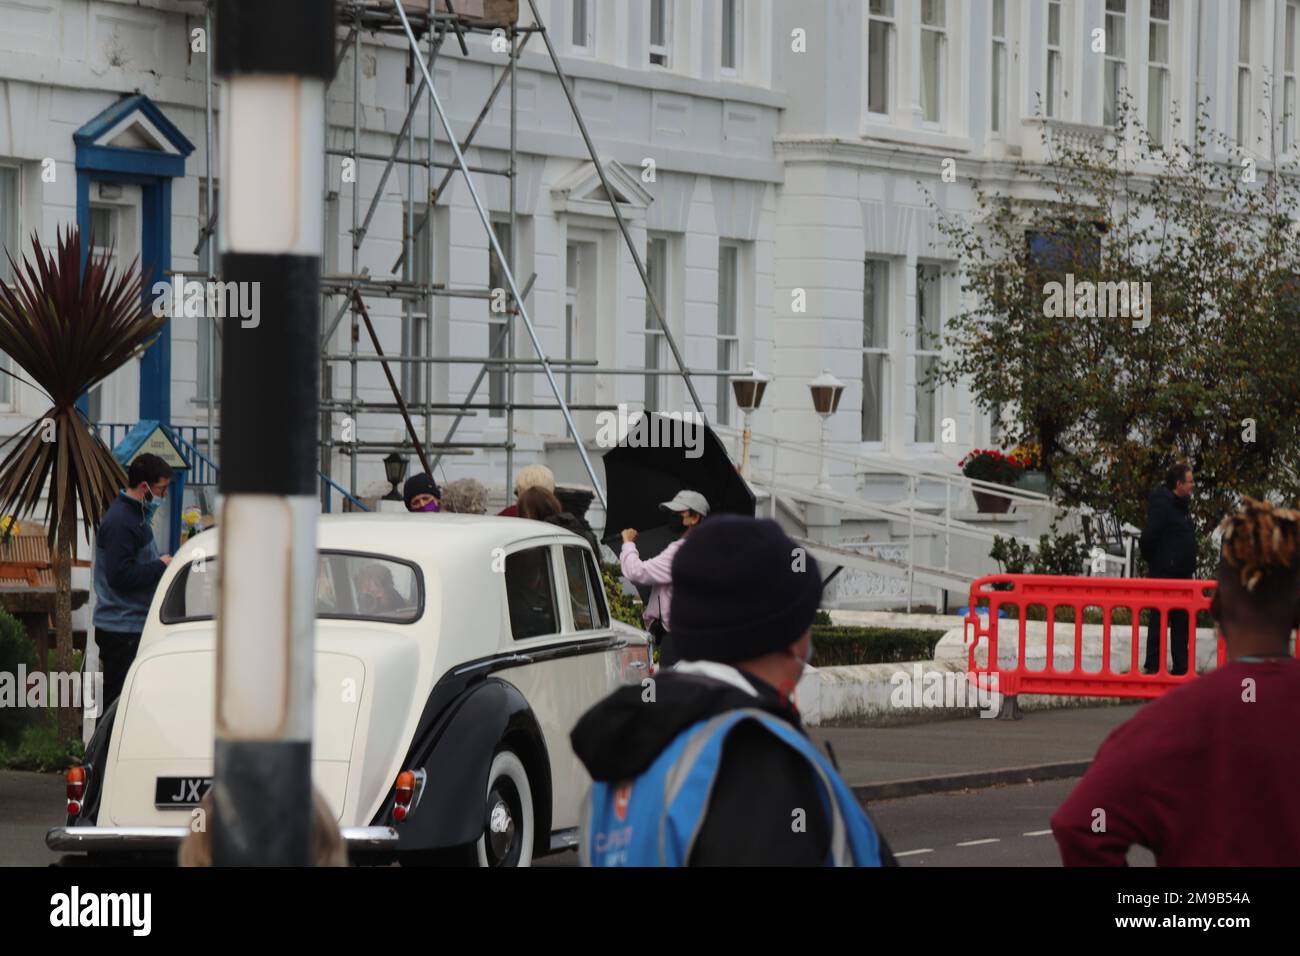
point(707, 764)
point(127, 569)
point(1168, 543)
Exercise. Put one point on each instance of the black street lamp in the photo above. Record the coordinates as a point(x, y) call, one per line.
point(395, 472)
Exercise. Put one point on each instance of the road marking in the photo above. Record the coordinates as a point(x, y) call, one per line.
point(912, 852)
point(978, 842)
point(1037, 833)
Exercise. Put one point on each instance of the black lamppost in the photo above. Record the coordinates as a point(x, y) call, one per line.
point(748, 389)
point(395, 472)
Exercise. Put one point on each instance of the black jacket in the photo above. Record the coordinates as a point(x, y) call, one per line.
point(1168, 541)
point(566, 520)
point(760, 781)
point(127, 567)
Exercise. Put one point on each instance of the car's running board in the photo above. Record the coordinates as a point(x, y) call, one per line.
point(564, 839)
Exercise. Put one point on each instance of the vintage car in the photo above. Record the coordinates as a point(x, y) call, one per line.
point(453, 655)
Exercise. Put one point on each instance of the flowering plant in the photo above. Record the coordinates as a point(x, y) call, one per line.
point(1028, 456)
point(191, 523)
point(989, 464)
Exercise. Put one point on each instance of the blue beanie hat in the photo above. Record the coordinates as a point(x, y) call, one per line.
point(741, 589)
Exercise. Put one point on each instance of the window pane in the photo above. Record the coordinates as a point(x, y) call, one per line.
point(579, 37)
point(729, 31)
point(1156, 112)
point(931, 50)
point(925, 404)
point(927, 307)
point(999, 18)
point(657, 22)
point(884, 8)
point(1053, 83)
point(530, 593)
point(1288, 125)
point(597, 589)
point(999, 85)
point(932, 13)
point(656, 265)
point(1243, 105)
point(1243, 36)
point(497, 337)
point(727, 358)
point(873, 393)
point(878, 67)
point(359, 586)
point(579, 600)
point(1054, 24)
point(1290, 36)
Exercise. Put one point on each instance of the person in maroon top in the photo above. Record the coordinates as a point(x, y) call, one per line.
point(1207, 774)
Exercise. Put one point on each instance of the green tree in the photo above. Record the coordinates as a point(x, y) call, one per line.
point(1205, 375)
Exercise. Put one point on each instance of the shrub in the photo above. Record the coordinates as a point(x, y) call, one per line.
point(837, 645)
point(622, 607)
point(39, 748)
point(15, 648)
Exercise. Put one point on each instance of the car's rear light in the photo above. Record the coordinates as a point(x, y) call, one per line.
point(76, 781)
point(404, 793)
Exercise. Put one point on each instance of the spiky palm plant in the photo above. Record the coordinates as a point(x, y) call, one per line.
point(68, 328)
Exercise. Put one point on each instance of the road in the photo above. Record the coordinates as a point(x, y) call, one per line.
point(997, 826)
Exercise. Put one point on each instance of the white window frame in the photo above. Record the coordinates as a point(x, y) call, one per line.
point(664, 49)
point(738, 37)
point(1291, 35)
point(588, 45)
point(658, 260)
point(924, 353)
point(940, 32)
point(1115, 62)
point(416, 376)
point(728, 340)
point(1245, 88)
point(887, 20)
point(876, 303)
point(1054, 67)
point(1159, 73)
point(999, 69)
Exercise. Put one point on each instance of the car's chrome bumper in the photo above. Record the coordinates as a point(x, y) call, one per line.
point(146, 839)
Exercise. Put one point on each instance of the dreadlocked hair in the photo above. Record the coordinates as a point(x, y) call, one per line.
point(1261, 541)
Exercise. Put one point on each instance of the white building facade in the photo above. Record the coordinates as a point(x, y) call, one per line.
point(775, 160)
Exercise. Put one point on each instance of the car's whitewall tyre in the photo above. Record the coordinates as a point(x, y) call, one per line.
point(509, 828)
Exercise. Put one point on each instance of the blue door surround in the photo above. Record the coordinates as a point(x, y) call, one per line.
point(153, 171)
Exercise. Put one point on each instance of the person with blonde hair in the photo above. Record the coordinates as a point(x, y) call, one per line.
point(1205, 775)
point(530, 476)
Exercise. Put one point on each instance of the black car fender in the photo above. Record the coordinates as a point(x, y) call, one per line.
point(455, 747)
point(96, 764)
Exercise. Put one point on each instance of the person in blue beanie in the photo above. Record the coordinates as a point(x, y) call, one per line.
point(707, 764)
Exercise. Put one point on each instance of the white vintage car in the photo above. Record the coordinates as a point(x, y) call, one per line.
point(453, 656)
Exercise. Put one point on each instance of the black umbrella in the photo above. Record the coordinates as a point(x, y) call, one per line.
point(659, 457)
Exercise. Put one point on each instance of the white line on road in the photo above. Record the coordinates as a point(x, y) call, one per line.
point(912, 852)
point(978, 842)
point(1037, 833)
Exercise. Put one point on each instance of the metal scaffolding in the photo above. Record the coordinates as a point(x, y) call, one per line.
point(425, 32)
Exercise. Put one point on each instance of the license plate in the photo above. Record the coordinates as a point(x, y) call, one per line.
point(180, 793)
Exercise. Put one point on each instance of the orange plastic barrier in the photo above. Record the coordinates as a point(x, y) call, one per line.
point(1120, 674)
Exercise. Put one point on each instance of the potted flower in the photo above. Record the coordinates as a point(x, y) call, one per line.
point(1030, 459)
point(191, 523)
point(989, 464)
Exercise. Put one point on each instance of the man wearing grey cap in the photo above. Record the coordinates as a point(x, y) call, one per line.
point(690, 507)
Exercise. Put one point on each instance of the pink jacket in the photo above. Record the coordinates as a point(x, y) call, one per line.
point(657, 572)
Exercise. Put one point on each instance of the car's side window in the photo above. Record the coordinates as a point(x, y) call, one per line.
point(530, 592)
point(597, 588)
point(580, 598)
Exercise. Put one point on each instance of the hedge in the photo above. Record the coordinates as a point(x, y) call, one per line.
point(838, 645)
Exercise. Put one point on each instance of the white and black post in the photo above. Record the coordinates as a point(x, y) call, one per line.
point(275, 60)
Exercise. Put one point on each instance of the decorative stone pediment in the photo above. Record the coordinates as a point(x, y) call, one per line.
point(581, 191)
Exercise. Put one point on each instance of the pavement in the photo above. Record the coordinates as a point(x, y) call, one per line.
point(902, 760)
point(969, 792)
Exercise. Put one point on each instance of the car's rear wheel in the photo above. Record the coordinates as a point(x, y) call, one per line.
point(509, 822)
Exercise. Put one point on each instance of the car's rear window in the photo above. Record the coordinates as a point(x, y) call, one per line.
point(365, 587)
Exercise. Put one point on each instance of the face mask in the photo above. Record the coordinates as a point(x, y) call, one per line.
point(431, 506)
point(151, 506)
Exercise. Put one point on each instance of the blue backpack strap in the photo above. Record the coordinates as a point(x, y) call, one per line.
point(688, 786)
